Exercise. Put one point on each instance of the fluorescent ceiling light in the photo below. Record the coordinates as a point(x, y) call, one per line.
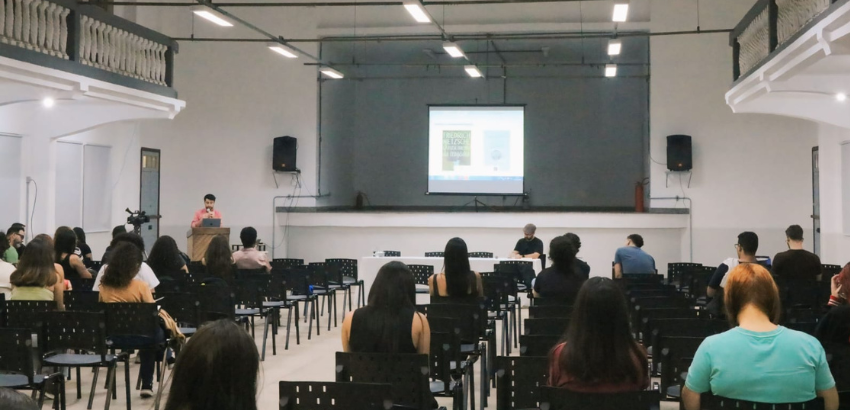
point(282, 50)
point(621, 12)
point(212, 15)
point(610, 70)
point(614, 47)
point(48, 102)
point(453, 49)
point(473, 71)
point(330, 72)
point(415, 8)
point(841, 97)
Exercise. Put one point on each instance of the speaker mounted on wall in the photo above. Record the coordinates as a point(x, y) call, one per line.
point(284, 152)
point(679, 153)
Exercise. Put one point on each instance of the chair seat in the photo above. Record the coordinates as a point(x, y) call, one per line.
point(674, 391)
point(188, 331)
point(469, 348)
point(349, 281)
point(74, 360)
point(274, 304)
point(247, 312)
point(422, 288)
point(298, 297)
point(17, 381)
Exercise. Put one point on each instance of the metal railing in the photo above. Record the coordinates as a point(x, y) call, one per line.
point(87, 35)
point(768, 26)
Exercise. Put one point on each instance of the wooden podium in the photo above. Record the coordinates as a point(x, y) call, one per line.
point(200, 238)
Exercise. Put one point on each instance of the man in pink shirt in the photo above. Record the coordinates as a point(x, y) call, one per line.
point(209, 211)
point(249, 257)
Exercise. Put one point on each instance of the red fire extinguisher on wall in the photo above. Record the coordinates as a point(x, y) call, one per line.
point(639, 207)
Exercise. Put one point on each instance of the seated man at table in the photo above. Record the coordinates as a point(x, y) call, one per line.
point(632, 259)
point(529, 246)
point(249, 257)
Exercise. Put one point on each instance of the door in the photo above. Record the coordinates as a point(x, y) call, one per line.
point(815, 201)
point(149, 195)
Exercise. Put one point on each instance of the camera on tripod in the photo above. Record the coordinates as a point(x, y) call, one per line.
point(137, 218)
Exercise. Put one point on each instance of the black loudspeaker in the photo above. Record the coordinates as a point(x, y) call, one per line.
point(283, 156)
point(679, 153)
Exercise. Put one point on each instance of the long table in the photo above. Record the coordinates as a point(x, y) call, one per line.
point(368, 266)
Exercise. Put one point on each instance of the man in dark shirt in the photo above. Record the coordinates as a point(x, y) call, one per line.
point(796, 263)
point(745, 248)
point(564, 278)
point(529, 246)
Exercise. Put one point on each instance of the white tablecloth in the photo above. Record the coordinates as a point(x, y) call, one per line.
point(367, 268)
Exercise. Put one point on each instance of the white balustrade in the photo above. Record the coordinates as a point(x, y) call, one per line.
point(794, 14)
point(37, 25)
point(754, 42)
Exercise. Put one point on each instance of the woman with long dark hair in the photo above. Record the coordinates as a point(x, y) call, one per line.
point(37, 277)
point(65, 245)
point(165, 258)
point(598, 353)
point(389, 323)
point(457, 282)
point(85, 250)
point(219, 259)
point(217, 369)
point(564, 278)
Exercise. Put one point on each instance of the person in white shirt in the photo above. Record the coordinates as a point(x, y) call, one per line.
point(145, 272)
point(6, 270)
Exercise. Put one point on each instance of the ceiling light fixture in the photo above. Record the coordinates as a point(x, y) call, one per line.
point(621, 12)
point(330, 72)
point(48, 102)
point(841, 97)
point(614, 47)
point(473, 71)
point(415, 8)
point(610, 70)
point(453, 49)
point(282, 50)
point(212, 15)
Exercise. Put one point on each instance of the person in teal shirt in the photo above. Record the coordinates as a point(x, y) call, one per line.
point(758, 361)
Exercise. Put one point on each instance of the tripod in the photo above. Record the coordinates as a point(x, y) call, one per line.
point(475, 201)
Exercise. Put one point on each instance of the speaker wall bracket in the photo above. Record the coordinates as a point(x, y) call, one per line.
point(667, 177)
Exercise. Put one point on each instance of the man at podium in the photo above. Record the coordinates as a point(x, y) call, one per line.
point(209, 212)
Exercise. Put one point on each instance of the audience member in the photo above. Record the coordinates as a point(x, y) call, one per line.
point(217, 369)
point(837, 284)
point(118, 230)
point(119, 285)
point(219, 260)
point(757, 360)
point(64, 243)
point(15, 237)
point(582, 265)
point(145, 272)
point(796, 263)
point(528, 246)
point(165, 258)
point(632, 259)
point(249, 257)
point(389, 323)
point(564, 278)
point(834, 327)
point(745, 248)
point(12, 400)
point(6, 270)
point(37, 277)
point(85, 250)
point(598, 353)
point(457, 283)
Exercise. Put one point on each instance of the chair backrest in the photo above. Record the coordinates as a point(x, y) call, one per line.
point(699, 281)
point(435, 254)
point(82, 301)
point(828, 271)
point(683, 327)
point(799, 293)
point(445, 348)
point(838, 358)
point(472, 318)
point(392, 254)
point(81, 284)
point(554, 398)
point(646, 315)
point(196, 268)
point(286, 262)
point(174, 282)
point(250, 293)
point(131, 319)
point(347, 267)
point(27, 313)
point(298, 281)
point(407, 373)
point(421, 273)
point(481, 255)
point(523, 271)
point(249, 273)
point(318, 275)
point(678, 271)
point(216, 302)
point(518, 380)
point(184, 308)
point(84, 331)
point(331, 396)
point(709, 401)
point(671, 349)
point(537, 345)
point(638, 304)
point(95, 265)
point(16, 352)
point(542, 312)
point(551, 326)
point(497, 288)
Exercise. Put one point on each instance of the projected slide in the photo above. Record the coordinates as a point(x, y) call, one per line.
point(475, 150)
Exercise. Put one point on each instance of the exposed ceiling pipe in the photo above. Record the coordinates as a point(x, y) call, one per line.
point(330, 4)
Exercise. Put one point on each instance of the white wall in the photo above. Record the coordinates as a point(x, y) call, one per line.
point(834, 244)
point(751, 172)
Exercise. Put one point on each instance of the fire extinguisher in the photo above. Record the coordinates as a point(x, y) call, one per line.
point(639, 208)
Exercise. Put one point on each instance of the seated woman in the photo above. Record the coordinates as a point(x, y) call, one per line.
point(598, 353)
point(389, 323)
point(219, 262)
point(120, 286)
point(85, 249)
point(564, 278)
point(65, 244)
point(165, 258)
point(217, 369)
point(37, 277)
point(457, 283)
point(758, 361)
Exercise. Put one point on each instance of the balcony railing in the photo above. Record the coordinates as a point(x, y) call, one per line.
point(768, 26)
point(86, 40)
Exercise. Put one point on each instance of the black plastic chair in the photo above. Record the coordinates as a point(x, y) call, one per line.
point(344, 272)
point(392, 254)
point(17, 370)
point(681, 328)
point(82, 301)
point(298, 285)
point(322, 288)
point(407, 373)
point(332, 396)
point(518, 380)
point(196, 268)
point(81, 284)
point(668, 351)
point(448, 369)
point(249, 295)
point(421, 273)
point(549, 311)
point(435, 254)
point(278, 298)
point(216, 302)
point(497, 290)
point(481, 255)
point(184, 308)
point(709, 401)
point(551, 326)
point(250, 273)
point(83, 332)
point(537, 345)
point(662, 313)
point(27, 313)
point(553, 398)
point(640, 303)
point(678, 273)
